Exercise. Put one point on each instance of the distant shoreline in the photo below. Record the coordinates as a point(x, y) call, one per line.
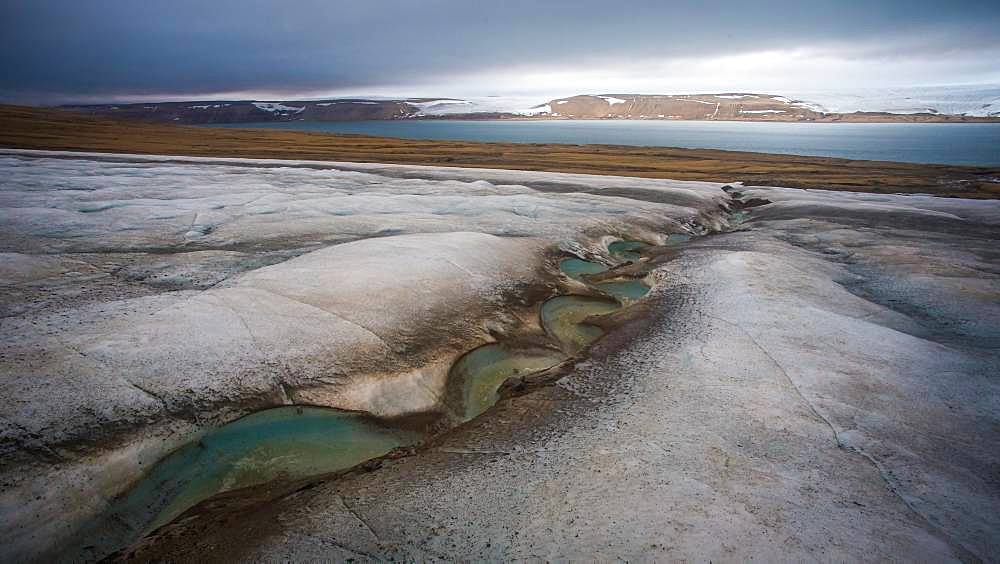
point(34, 128)
point(925, 143)
point(858, 117)
point(478, 117)
point(726, 107)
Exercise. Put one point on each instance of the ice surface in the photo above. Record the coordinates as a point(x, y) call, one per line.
point(820, 384)
point(146, 297)
point(341, 284)
point(147, 203)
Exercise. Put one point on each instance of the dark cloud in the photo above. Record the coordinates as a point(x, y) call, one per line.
point(86, 48)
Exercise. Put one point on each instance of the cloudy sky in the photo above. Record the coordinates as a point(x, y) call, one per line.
point(55, 51)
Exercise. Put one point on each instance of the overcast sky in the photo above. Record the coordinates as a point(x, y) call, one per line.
point(55, 51)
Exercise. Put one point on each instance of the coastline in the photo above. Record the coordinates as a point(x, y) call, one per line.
point(49, 129)
point(856, 117)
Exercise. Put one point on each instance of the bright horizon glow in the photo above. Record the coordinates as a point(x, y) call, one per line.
point(790, 72)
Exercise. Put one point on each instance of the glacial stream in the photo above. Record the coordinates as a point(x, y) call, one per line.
point(477, 375)
point(293, 442)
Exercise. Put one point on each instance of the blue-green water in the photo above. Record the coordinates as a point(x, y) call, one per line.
point(280, 443)
point(563, 318)
point(627, 250)
point(947, 143)
point(575, 268)
point(481, 372)
point(624, 290)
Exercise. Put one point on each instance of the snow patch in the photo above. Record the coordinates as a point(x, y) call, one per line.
point(347, 102)
point(612, 100)
point(762, 111)
point(811, 107)
point(277, 107)
point(735, 96)
point(543, 109)
point(967, 100)
point(485, 104)
point(431, 104)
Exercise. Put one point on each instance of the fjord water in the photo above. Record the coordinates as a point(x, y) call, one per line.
point(945, 143)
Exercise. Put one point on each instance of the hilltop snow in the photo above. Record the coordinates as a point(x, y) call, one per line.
point(973, 101)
